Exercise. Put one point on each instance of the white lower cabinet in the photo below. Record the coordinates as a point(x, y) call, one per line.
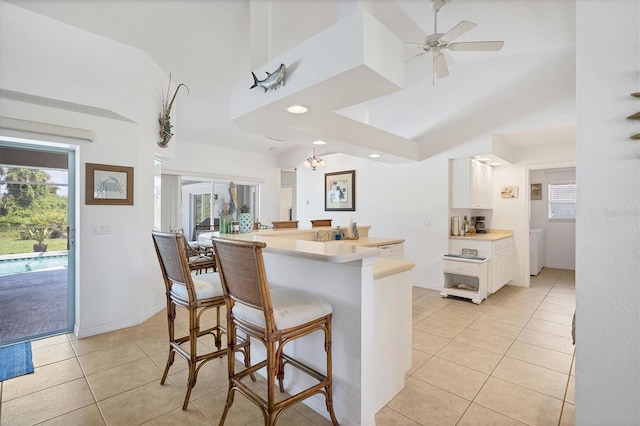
point(499, 254)
point(392, 251)
point(501, 263)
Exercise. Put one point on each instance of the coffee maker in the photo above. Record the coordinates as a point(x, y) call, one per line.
point(479, 223)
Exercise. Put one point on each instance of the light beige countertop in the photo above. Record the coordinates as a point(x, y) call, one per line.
point(334, 251)
point(326, 252)
point(491, 235)
point(385, 267)
point(369, 241)
point(305, 233)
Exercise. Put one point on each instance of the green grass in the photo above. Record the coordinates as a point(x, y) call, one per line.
point(10, 243)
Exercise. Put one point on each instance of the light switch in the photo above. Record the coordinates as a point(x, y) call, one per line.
point(100, 229)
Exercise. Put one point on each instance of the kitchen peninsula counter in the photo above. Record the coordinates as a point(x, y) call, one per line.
point(371, 297)
point(322, 251)
point(387, 267)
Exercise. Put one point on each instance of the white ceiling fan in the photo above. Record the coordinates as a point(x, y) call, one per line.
point(437, 42)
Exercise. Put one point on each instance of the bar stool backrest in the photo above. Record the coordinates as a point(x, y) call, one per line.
point(172, 256)
point(243, 275)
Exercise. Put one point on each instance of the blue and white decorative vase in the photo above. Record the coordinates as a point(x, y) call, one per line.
point(246, 222)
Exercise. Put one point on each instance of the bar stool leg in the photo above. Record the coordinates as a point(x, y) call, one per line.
point(171, 318)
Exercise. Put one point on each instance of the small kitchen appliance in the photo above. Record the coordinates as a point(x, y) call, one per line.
point(455, 226)
point(479, 220)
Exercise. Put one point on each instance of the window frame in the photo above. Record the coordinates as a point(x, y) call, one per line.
point(554, 210)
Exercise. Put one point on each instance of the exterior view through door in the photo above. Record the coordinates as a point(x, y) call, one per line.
point(36, 285)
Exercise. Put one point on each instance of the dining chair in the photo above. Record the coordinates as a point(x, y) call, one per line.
point(275, 317)
point(199, 259)
point(197, 295)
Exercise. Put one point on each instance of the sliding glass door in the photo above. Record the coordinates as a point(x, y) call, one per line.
point(37, 214)
point(205, 200)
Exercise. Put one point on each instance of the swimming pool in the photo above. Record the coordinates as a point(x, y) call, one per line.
point(16, 264)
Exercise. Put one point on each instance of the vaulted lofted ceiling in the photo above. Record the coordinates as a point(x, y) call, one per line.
point(522, 92)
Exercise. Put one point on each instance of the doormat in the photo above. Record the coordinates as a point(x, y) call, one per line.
point(15, 360)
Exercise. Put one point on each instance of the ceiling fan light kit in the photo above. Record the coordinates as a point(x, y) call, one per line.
point(437, 42)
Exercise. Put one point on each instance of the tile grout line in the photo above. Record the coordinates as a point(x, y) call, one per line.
point(504, 355)
point(494, 369)
point(472, 401)
point(566, 390)
point(490, 375)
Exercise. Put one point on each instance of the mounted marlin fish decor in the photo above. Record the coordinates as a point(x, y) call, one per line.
point(272, 81)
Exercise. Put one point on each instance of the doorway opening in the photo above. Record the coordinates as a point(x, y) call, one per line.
point(204, 202)
point(552, 225)
point(195, 204)
point(37, 213)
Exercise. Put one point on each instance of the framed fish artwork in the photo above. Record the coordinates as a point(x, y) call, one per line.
point(108, 185)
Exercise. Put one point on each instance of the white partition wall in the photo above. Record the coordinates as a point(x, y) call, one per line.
point(608, 223)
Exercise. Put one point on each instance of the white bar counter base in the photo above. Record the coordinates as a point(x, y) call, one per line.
point(371, 324)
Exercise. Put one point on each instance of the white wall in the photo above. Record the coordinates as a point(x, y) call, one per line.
point(513, 213)
point(222, 164)
point(403, 201)
point(560, 235)
point(53, 73)
point(608, 223)
point(410, 201)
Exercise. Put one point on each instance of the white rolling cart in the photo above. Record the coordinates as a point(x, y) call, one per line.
point(465, 276)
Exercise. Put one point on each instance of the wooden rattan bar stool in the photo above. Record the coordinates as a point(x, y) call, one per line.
point(320, 222)
point(284, 224)
point(274, 317)
point(197, 295)
point(199, 259)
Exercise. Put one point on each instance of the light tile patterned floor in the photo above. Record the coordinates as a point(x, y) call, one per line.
point(508, 361)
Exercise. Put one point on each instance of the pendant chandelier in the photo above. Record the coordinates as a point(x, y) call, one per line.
point(313, 162)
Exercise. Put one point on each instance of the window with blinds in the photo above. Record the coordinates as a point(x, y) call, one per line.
point(562, 200)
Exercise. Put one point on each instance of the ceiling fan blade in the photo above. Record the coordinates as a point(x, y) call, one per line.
point(477, 45)
point(440, 65)
point(417, 55)
point(457, 31)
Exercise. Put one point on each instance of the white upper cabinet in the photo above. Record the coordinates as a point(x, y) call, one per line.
point(471, 184)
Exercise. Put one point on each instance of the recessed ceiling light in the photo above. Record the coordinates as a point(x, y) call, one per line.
point(318, 142)
point(374, 155)
point(297, 109)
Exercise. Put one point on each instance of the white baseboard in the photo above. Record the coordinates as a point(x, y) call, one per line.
point(105, 328)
